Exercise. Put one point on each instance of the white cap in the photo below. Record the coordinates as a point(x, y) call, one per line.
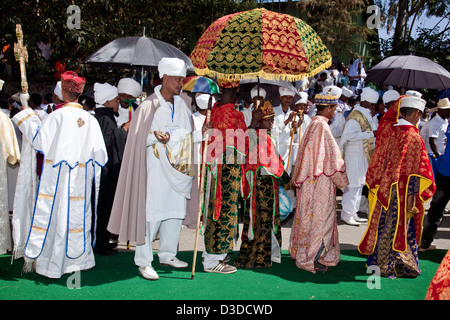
point(390, 95)
point(413, 93)
point(347, 92)
point(129, 86)
point(254, 92)
point(303, 98)
point(58, 91)
point(104, 92)
point(413, 102)
point(332, 91)
point(286, 92)
point(172, 67)
point(369, 95)
point(203, 99)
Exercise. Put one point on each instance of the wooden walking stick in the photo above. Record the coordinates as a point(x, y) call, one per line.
point(202, 188)
point(293, 132)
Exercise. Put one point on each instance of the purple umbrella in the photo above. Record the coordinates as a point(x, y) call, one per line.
point(411, 72)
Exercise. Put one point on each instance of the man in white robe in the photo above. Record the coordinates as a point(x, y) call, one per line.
point(356, 146)
point(285, 121)
point(166, 121)
point(58, 240)
point(9, 155)
point(338, 121)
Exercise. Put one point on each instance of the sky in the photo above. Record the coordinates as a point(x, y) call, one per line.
point(421, 22)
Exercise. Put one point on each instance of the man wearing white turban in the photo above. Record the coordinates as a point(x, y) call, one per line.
point(106, 98)
point(357, 144)
point(129, 89)
point(156, 176)
point(283, 125)
point(389, 97)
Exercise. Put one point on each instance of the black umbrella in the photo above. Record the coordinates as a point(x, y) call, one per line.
point(136, 52)
point(411, 72)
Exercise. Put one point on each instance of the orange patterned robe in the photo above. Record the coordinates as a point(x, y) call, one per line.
point(399, 158)
point(439, 288)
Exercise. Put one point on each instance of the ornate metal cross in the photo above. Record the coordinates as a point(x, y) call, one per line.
point(21, 54)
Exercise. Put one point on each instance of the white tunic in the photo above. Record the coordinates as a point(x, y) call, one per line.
point(163, 200)
point(281, 133)
point(351, 145)
point(72, 143)
point(435, 128)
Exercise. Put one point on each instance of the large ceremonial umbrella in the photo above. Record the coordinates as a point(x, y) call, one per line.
point(260, 43)
point(411, 72)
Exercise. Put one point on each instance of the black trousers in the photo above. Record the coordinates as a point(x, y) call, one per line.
point(436, 212)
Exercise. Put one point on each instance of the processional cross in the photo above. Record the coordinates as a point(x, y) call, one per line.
point(21, 55)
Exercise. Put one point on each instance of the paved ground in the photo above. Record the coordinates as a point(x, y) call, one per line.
point(349, 236)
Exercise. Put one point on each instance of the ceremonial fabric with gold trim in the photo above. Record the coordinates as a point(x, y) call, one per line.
point(399, 156)
point(260, 43)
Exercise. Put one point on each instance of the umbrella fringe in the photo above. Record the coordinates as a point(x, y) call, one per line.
point(262, 74)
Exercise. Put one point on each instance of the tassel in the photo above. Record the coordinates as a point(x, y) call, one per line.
point(27, 265)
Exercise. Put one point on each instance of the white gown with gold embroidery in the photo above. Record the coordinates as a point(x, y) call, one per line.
point(59, 239)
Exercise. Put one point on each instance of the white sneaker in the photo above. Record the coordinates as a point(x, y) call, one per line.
point(221, 268)
point(148, 273)
point(174, 263)
point(358, 219)
point(351, 221)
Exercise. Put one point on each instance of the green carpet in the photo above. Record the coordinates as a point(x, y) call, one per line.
point(116, 278)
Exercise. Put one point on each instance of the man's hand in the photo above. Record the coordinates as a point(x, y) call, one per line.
point(126, 126)
point(162, 137)
point(206, 126)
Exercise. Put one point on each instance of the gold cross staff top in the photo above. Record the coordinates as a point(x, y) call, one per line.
point(21, 54)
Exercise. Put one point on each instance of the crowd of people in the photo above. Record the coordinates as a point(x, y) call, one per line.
point(97, 169)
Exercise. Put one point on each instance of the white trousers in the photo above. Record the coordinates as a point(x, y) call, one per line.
point(169, 235)
point(351, 199)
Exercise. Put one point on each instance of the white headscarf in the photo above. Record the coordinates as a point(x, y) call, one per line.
point(104, 92)
point(254, 92)
point(286, 92)
point(129, 86)
point(303, 98)
point(58, 91)
point(390, 95)
point(353, 72)
point(203, 99)
point(172, 67)
point(369, 95)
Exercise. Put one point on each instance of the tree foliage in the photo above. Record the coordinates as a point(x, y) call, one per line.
point(178, 22)
point(400, 17)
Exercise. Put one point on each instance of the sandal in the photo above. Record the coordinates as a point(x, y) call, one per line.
point(320, 267)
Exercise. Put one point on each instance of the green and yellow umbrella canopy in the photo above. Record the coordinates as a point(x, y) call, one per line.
point(260, 43)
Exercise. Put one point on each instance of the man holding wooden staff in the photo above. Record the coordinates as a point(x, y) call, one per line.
point(156, 173)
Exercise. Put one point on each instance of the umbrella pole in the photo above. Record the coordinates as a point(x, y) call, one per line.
point(142, 79)
point(293, 132)
point(201, 190)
